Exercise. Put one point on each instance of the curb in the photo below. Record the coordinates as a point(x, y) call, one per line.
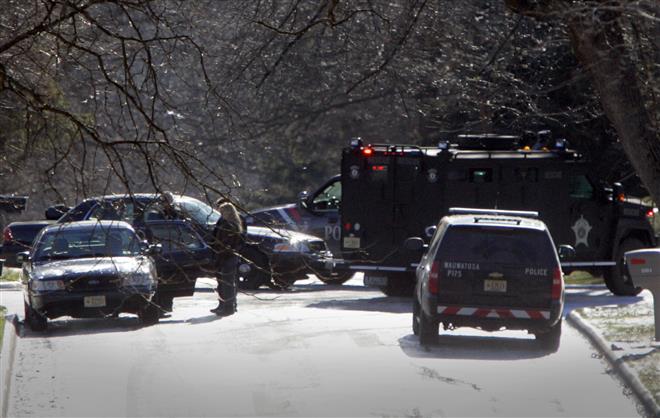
point(7, 352)
point(628, 376)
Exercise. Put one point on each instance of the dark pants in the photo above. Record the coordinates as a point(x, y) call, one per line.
point(227, 276)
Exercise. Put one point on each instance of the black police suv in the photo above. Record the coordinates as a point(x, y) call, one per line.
point(88, 269)
point(489, 269)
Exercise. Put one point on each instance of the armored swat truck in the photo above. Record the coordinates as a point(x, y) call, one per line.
point(392, 192)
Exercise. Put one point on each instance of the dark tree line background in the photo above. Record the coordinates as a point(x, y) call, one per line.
point(254, 99)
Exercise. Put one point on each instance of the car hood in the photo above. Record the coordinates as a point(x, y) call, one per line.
point(120, 266)
point(280, 234)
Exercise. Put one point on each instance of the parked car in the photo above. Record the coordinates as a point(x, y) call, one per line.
point(271, 255)
point(88, 269)
point(489, 269)
point(17, 237)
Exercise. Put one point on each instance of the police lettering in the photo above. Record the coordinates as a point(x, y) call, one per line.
point(455, 265)
point(536, 271)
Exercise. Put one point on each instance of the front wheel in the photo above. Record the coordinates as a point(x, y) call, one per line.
point(34, 319)
point(149, 314)
point(617, 279)
point(253, 269)
point(401, 285)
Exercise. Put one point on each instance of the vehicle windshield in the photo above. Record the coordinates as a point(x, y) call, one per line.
point(199, 211)
point(497, 245)
point(68, 243)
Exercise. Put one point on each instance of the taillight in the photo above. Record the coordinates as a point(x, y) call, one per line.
point(7, 236)
point(557, 283)
point(434, 277)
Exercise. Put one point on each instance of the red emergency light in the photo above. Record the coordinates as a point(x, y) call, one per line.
point(378, 168)
point(637, 261)
point(367, 152)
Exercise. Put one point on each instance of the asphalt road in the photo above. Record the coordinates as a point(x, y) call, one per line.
point(314, 351)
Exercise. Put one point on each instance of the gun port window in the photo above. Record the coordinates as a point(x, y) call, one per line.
point(481, 175)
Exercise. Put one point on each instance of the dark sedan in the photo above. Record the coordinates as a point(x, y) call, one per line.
point(88, 269)
point(270, 255)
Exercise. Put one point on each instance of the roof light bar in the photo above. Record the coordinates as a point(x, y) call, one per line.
point(493, 212)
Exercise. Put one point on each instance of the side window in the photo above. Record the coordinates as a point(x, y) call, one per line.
point(175, 238)
point(580, 187)
point(527, 175)
point(329, 198)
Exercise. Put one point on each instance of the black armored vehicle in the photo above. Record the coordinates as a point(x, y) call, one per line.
point(391, 192)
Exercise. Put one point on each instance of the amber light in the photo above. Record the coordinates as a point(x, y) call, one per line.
point(621, 197)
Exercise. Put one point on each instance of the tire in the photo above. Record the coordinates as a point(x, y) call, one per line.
point(34, 319)
point(338, 279)
point(550, 340)
point(428, 328)
point(399, 285)
point(415, 318)
point(617, 278)
point(149, 314)
point(257, 269)
point(164, 302)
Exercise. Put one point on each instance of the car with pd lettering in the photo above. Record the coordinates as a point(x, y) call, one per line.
point(88, 269)
point(489, 269)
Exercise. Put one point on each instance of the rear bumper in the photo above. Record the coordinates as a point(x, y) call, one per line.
point(62, 303)
point(492, 318)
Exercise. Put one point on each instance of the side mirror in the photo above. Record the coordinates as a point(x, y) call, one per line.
point(154, 249)
point(618, 193)
point(23, 257)
point(566, 252)
point(54, 213)
point(302, 198)
point(414, 244)
point(430, 230)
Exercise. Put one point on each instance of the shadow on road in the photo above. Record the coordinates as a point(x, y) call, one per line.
point(64, 327)
point(376, 304)
point(474, 348)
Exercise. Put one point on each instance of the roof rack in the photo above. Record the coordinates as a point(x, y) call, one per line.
point(494, 212)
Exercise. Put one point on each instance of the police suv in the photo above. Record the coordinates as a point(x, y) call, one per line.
point(490, 269)
point(392, 192)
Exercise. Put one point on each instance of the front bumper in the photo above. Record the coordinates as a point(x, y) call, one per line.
point(64, 303)
point(300, 264)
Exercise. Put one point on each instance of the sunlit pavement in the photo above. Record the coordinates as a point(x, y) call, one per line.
point(315, 350)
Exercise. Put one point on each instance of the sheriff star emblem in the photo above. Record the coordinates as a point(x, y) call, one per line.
point(581, 228)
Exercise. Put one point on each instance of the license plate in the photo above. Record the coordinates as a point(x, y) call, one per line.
point(351, 242)
point(375, 281)
point(495, 286)
point(94, 301)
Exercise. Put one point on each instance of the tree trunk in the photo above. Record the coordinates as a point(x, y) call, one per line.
point(599, 46)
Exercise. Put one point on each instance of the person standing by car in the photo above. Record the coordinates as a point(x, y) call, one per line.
point(228, 239)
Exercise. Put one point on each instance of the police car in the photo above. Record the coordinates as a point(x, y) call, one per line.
point(489, 269)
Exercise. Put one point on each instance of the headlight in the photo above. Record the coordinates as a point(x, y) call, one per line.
point(47, 285)
point(291, 247)
point(137, 279)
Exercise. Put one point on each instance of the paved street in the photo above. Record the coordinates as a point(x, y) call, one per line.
point(316, 350)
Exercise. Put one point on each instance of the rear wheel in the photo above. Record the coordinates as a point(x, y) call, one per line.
point(415, 318)
point(617, 278)
point(427, 328)
point(550, 340)
point(253, 269)
point(164, 302)
point(34, 319)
